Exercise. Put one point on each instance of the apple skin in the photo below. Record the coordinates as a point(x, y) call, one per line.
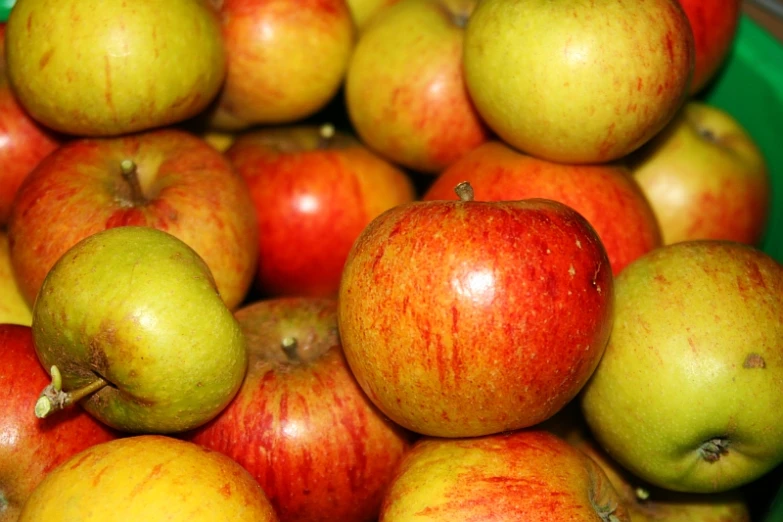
point(31, 447)
point(688, 393)
point(404, 91)
point(148, 477)
point(714, 25)
point(467, 318)
point(528, 475)
point(13, 307)
point(286, 60)
point(313, 195)
point(113, 67)
point(606, 195)
point(574, 82)
point(362, 11)
point(705, 178)
point(189, 190)
point(302, 426)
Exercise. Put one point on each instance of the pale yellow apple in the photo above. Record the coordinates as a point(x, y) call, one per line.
point(13, 306)
point(148, 478)
point(705, 178)
point(114, 67)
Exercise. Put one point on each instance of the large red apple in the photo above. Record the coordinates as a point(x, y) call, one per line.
point(286, 60)
point(465, 318)
point(31, 447)
point(606, 195)
point(404, 90)
point(23, 142)
point(300, 424)
point(714, 24)
point(529, 475)
point(314, 191)
point(166, 179)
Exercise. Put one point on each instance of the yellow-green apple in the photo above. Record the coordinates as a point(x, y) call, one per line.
point(362, 11)
point(606, 195)
point(574, 81)
point(705, 177)
point(129, 321)
point(114, 67)
point(528, 475)
point(164, 178)
point(404, 90)
point(286, 60)
point(688, 393)
point(30, 447)
point(13, 307)
point(714, 25)
point(148, 477)
point(314, 190)
point(300, 424)
point(23, 141)
point(466, 318)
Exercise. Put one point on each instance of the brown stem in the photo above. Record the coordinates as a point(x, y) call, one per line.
point(290, 347)
point(131, 176)
point(53, 398)
point(464, 191)
point(326, 135)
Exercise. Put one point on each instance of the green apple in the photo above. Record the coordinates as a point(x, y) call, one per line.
point(705, 178)
point(574, 81)
point(130, 322)
point(689, 391)
point(13, 306)
point(114, 67)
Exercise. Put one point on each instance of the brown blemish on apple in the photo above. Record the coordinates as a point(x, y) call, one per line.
point(44, 61)
point(754, 360)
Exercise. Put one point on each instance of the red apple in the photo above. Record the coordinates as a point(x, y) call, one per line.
point(314, 191)
point(23, 142)
point(405, 93)
point(300, 424)
point(466, 318)
point(166, 179)
point(31, 447)
point(714, 24)
point(286, 60)
point(529, 475)
point(606, 195)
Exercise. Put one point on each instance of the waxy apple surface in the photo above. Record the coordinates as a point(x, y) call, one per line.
point(465, 318)
point(13, 307)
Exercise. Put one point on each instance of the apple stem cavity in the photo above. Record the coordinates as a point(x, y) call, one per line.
point(53, 398)
point(131, 176)
point(290, 347)
point(464, 191)
point(713, 449)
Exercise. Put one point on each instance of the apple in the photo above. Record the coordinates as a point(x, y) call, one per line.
point(705, 177)
point(286, 60)
point(113, 67)
point(300, 424)
point(714, 24)
point(130, 324)
point(467, 318)
point(606, 195)
point(362, 11)
point(148, 477)
point(314, 190)
point(13, 307)
point(30, 447)
point(688, 393)
point(404, 90)
point(574, 82)
point(528, 475)
point(164, 178)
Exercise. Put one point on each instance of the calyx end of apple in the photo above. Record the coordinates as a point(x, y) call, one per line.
point(713, 449)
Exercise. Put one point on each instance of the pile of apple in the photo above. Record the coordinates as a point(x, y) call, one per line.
point(381, 260)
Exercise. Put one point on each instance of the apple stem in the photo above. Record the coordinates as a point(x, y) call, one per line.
point(713, 449)
point(53, 398)
point(131, 176)
point(326, 132)
point(642, 493)
point(464, 191)
point(290, 347)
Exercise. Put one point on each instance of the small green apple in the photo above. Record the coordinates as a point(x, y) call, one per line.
point(114, 67)
point(689, 391)
point(130, 322)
